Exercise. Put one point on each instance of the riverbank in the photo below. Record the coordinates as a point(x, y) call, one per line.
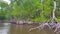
point(52, 26)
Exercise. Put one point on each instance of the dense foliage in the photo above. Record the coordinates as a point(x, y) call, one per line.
point(31, 10)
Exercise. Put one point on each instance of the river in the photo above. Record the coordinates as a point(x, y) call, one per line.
point(8, 28)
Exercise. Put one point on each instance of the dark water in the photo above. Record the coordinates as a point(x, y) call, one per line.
point(7, 28)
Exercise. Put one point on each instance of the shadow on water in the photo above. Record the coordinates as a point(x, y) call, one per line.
point(21, 29)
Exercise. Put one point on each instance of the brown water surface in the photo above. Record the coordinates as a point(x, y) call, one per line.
point(7, 28)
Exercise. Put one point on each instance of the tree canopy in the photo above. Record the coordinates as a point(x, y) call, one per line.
point(31, 10)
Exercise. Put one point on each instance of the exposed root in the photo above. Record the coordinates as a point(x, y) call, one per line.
point(35, 28)
point(55, 27)
point(42, 26)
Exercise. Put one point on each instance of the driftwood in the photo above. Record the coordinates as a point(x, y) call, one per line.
point(55, 27)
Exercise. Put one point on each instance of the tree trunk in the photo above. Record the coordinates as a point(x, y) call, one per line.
point(53, 16)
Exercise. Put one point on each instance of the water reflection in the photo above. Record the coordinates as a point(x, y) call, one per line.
point(4, 28)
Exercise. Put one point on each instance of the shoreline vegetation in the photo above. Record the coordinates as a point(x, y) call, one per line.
point(44, 13)
point(39, 11)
